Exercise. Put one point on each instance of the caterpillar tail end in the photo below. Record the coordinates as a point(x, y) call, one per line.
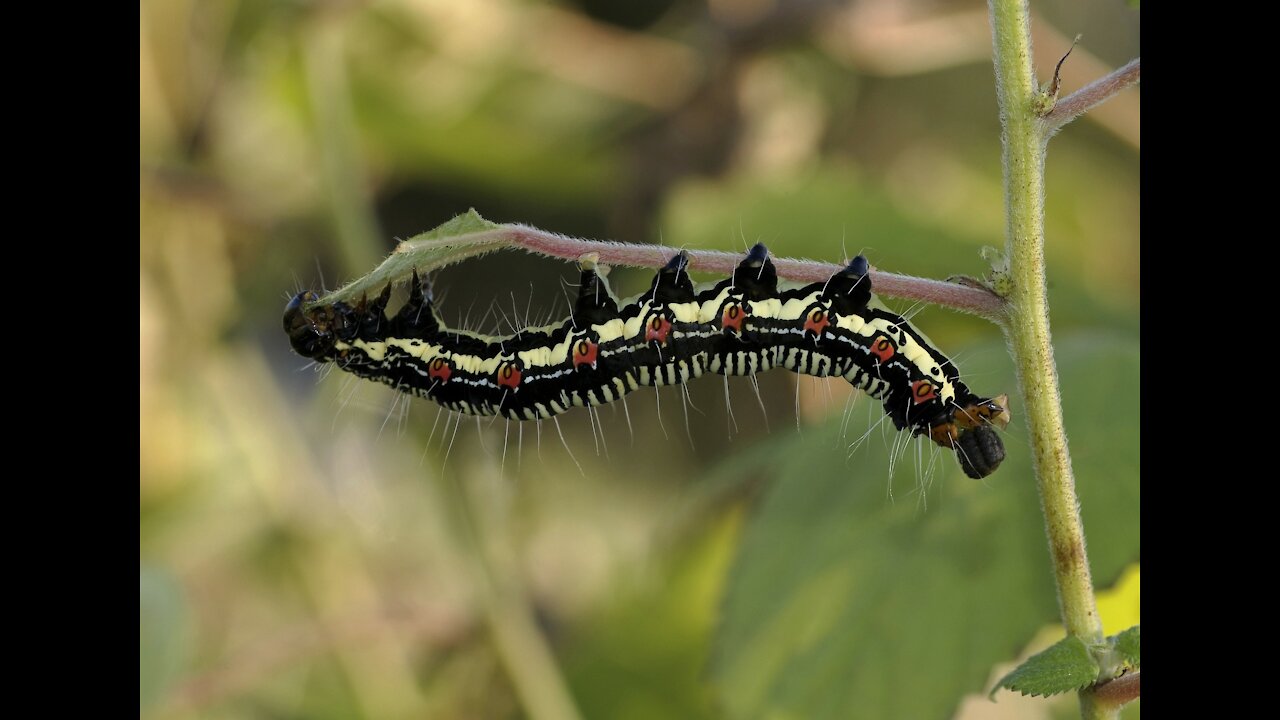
point(970, 432)
point(980, 451)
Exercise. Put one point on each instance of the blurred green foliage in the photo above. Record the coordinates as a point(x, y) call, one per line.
point(303, 539)
point(895, 595)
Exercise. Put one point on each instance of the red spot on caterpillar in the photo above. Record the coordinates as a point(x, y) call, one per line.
point(923, 391)
point(509, 375)
point(882, 347)
point(816, 321)
point(585, 352)
point(657, 329)
point(440, 369)
point(733, 317)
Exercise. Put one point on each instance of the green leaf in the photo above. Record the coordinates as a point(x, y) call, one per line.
point(466, 235)
point(1064, 666)
point(1128, 645)
point(468, 222)
point(856, 594)
point(161, 638)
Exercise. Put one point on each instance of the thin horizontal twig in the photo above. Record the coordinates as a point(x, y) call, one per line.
point(977, 301)
point(1090, 96)
point(1123, 689)
point(435, 250)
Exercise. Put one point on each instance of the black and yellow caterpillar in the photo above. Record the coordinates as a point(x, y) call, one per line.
point(670, 334)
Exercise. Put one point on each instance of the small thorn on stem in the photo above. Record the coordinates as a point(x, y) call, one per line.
point(1057, 70)
point(1049, 94)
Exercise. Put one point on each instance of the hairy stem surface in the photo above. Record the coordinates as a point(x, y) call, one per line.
point(1091, 95)
point(1027, 324)
point(427, 254)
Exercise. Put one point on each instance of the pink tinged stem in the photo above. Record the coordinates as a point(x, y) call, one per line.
point(977, 301)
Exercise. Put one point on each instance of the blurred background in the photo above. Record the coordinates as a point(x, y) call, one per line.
point(315, 547)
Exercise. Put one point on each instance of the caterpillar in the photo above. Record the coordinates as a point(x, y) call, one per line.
point(668, 335)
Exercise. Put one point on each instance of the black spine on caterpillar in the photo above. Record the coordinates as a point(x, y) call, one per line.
point(670, 334)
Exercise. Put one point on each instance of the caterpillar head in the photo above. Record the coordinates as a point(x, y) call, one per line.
point(309, 332)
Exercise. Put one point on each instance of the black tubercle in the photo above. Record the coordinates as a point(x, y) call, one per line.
point(416, 319)
point(346, 322)
point(849, 290)
point(672, 283)
point(372, 316)
point(980, 451)
point(755, 276)
point(595, 304)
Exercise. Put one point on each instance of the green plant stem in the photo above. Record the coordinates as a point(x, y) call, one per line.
point(1027, 324)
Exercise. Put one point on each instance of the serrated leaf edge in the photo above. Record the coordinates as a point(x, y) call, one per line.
point(1005, 683)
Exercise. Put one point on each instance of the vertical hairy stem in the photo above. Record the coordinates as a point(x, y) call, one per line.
point(1027, 325)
